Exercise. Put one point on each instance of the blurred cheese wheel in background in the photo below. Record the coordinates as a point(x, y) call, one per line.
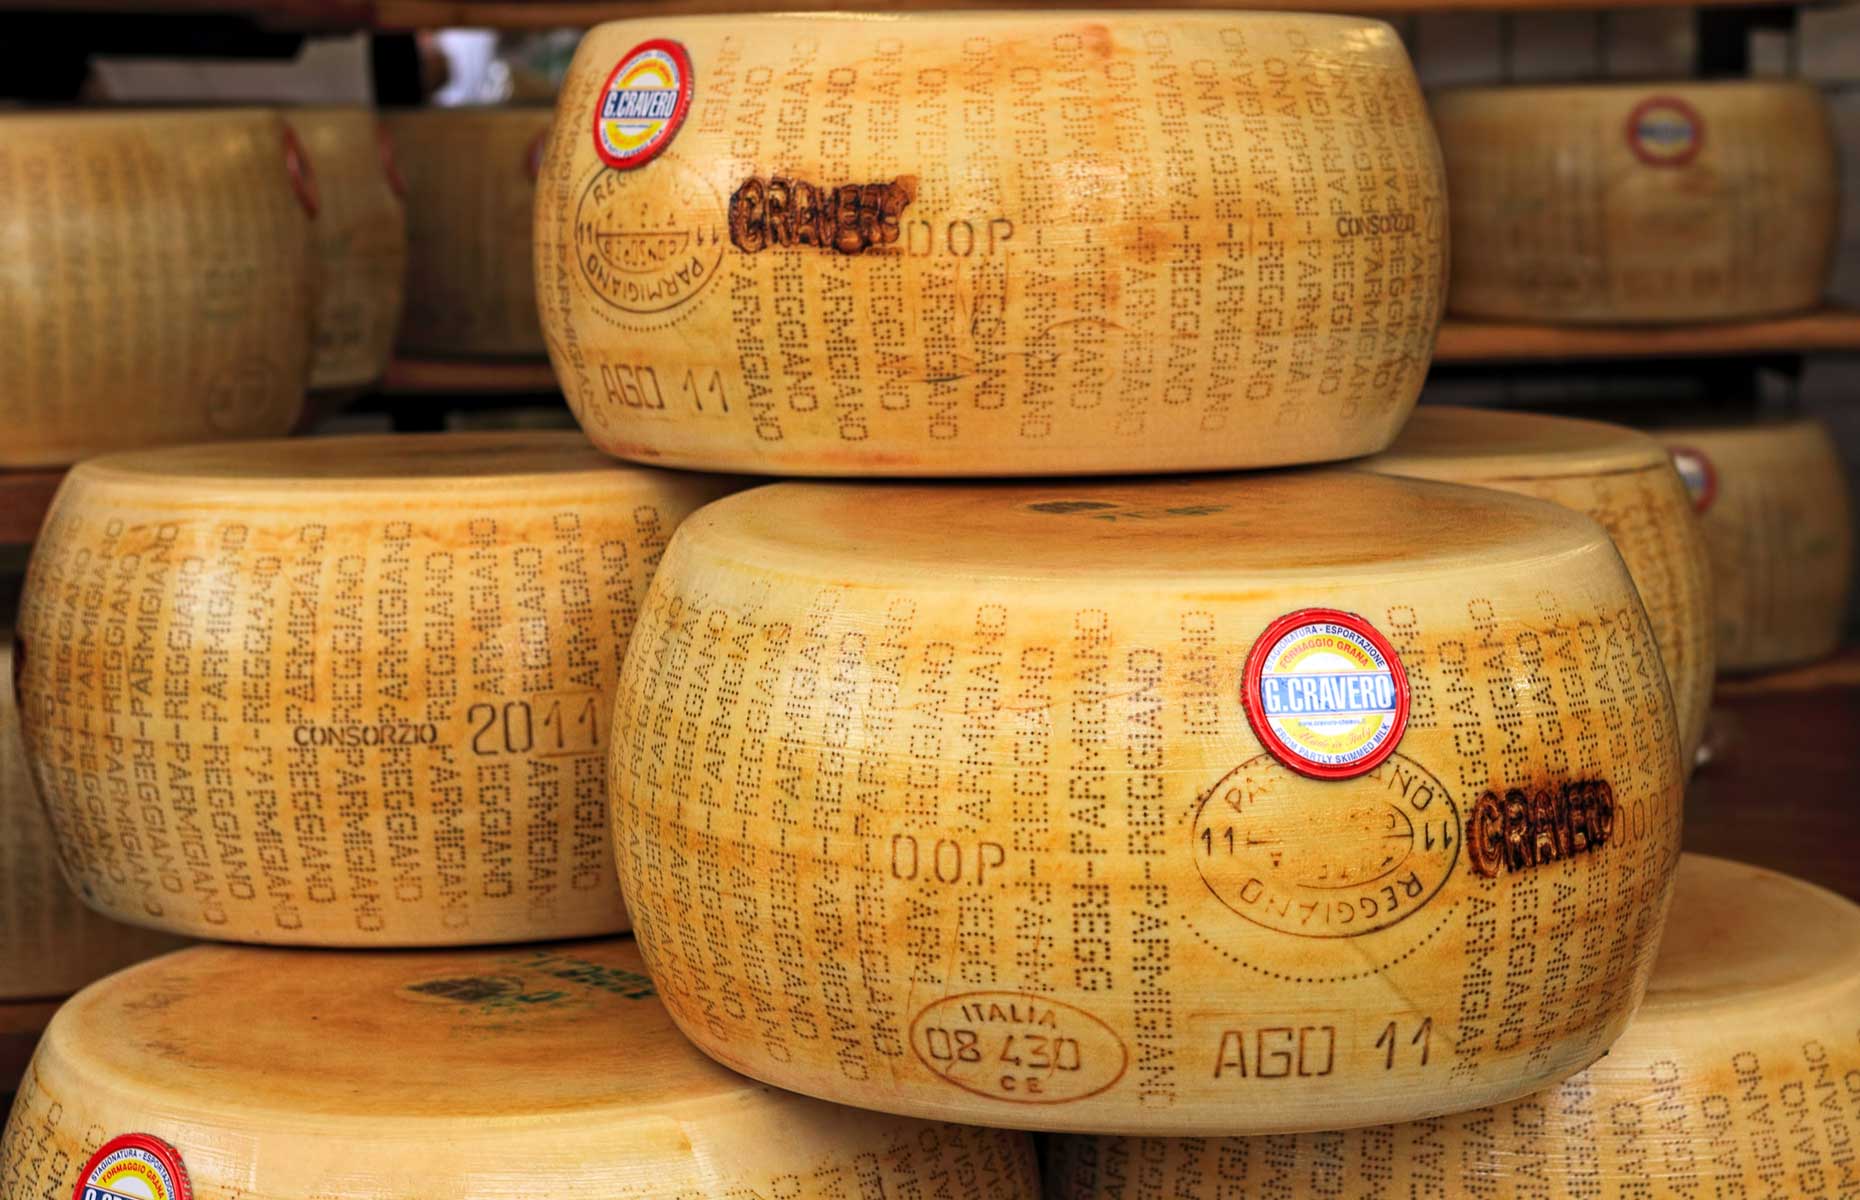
point(1623, 479)
point(991, 243)
point(1080, 806)
point(1774, 503)
point(158, 280)
point(490, 1074)
point(361, 241)
point(471, 180)
point(363, 688)
point(1737, 1078)
point(1642, 202)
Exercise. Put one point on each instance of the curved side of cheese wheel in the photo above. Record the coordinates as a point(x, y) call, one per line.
point(471, 178)
point(1740, 1076)
point(158, 285)
point(913, 782)
point(1061, 243)
point(1653, 202)
point(361, 241)
point(1780, 537)
point(532, 1071)
point(364, 683)
point(50, 944)
point(1623, 479)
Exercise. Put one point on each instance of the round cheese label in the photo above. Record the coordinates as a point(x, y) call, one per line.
point(642, 104)
point(1665, 131)
point(1326, 693)
point(303, 178)
point(134, 1166)
point(1697, 473)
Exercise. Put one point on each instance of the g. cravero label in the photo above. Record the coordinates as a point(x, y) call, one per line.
point(642, 104)
point(1697, 473)
point(1018, 1047)
point(134, 1166)
point(1325, 693)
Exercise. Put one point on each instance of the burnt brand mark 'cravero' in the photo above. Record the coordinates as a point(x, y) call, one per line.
point(778, 213)
point(1530, 828)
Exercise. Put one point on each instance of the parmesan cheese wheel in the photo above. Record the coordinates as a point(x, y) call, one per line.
point(471, 176)
point(341, 691)
point(1739, 1077)
point(1623, 479)
point(483, 1075)
point(158, 282)
point(1638, 202)
point(50, 944)
point(1779, 535)
point(991, 243)
point(361, 242)
point(1080, 806)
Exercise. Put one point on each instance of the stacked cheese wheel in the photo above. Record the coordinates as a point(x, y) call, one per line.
point(1737, 1078)
point(1192, 806)
point(1774, 503)
point(341, 691)
point(487, 1074)
point(361, 240)
point(158, 280)
point(1639, 202)
point(50, 944)
point(999, 243)
point(1623, 479)
point(470, 175)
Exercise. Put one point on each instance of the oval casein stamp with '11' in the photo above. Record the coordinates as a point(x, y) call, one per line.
point(1326, 693)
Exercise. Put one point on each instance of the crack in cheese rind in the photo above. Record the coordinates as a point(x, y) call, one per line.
point(1059, 244)
point(540, 1071)
point(1736, 1078)
point(341, 691)
point(158, 285)
point(941, 800)
point(1779, 534)
point(361, 240)
point(470, 185)
point(1556, 217)
point(1623, 479)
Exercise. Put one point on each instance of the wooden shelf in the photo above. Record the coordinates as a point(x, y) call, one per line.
point(1830, 329)
point(24, 497)
point(549, 14)
point(460, 377)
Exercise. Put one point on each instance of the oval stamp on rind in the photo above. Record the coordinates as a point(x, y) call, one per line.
point(1018, 1047)
point(646, 250)
point(1336, 861)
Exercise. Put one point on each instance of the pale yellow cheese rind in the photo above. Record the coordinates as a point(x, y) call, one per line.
point(158, 285)
point(1099, 242)
point(341, 691)
point(1638, 202)
point(941, 800)
point(1737, 1078)
point(471, 177)
point(517, 1071)
point(1779, 533)
point(1623, 479)
point(361, 242)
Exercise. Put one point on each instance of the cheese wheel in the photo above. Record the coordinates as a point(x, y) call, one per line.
point(991, 243)
point(1641, 202)
point(361, 242)
point(341, 691)
point(1623, 479)
point(482, 1074)
point(50, 944)
point(158, 281)
point(471, 175)
point(1076, 806)
point(1777, 530)
point(1739, 1077)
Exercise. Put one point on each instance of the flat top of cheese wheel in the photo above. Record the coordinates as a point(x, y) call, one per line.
point(402, 460)
point(1070, 20)
point(1449, 442)
point(1739, 932)
point(1326, 521)
point(567, 1029)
